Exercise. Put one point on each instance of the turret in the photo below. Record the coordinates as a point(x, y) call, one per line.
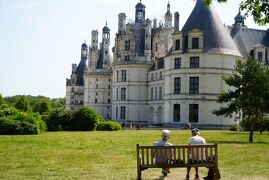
point(105, 45)
point(168, 17)
point(176, 22)
point(140, 12)
point(239, 20)
point(84, 50)
point(121, 23)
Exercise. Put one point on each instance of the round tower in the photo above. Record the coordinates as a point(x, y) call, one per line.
point(105, 44)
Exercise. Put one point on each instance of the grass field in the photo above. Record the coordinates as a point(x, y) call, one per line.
point(112, 155)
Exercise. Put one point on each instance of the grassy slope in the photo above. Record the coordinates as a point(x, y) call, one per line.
point(112, 155)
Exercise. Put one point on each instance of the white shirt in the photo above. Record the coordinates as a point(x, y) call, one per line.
point(197, 140)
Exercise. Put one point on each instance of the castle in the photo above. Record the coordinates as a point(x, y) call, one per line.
point(161, 75)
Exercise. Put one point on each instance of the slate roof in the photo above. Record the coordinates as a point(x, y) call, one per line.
point(247, 38)
point(140, 5)
point(80, 71)
point(217, 37)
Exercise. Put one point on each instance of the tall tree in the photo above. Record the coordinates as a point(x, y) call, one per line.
point(42, 106)
point(250, 92)
point(23, 104)
point(259, 9)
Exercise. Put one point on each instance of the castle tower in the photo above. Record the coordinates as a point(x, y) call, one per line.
point(105, 46)
point(84, 51)
point(147, 50)
point(168, 17)
point(176, 22)
point(121, 23)
point(140, 12)
point(94, 52)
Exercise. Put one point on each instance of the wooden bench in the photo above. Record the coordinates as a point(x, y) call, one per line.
point(207, 156)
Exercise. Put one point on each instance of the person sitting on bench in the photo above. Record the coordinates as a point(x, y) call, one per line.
point(163, 157)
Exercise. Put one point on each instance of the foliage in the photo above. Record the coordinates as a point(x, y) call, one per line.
point(42, 106)
point(23, 104)
point(235, 128)
point(1, 99)
point(59, 119)
point(22, 123)
point(259, 9)
point(108, 126)
point(86, 119)
point(250, 83)
point(7, 110)
point(58, 103)
point(261, 125)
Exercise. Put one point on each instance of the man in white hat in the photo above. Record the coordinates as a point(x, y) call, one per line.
point(196, 139)
point(160, 159)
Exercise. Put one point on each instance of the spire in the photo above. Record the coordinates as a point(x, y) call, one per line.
point(239, 20)
point(168, 6)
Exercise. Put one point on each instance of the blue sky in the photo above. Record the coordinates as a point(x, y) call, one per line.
point(40, 39)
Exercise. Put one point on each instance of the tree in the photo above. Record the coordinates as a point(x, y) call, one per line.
point(250, 92)
point(259, 9)
point(43, 106)
point(23, 104)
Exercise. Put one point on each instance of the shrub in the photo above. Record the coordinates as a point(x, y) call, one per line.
point(86, 119)
point(108, 126)
point(235, 128)
point(11, 126)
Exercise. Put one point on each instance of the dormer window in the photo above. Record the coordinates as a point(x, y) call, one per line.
point(195, 43)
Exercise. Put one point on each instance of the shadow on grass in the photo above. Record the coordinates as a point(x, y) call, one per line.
point(160, 178)
point(236, 142)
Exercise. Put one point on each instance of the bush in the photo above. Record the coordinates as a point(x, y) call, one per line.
point(235, 128)
point(260, 125)
point(11, 126)
point(108, 126)
point(86, 119)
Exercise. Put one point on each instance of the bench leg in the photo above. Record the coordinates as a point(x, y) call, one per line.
point(139, 174)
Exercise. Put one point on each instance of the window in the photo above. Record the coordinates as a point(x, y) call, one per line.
point(160, 92)
point(117, 112)
point(96, 94)
point(194, 85)
point(177, 44)
point(95, 100)
point(177, 63)
point(109, 86)
point(176, 112)
point(127, 45)
point(123, 94)
point(156, 92)
point(117, 94)
point(193, 112)
point(152, 76)
point(123, 75)
point(151, 93)
point(195, 43)
point(127, 58)
point(122, 112)
point(97, 80)
point(156, 47)
point(117, 76)
point(161, 75)
point(156, 76)
point(72, 89)
point(260, 56)
point(96, 86)
point(194, 62)
point(108, 94)
point(177, 85)
point(108, 100)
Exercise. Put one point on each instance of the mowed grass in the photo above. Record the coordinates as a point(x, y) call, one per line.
point(112, 155)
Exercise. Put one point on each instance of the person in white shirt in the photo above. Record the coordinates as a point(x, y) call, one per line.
point(196, 139)
point(159, 157)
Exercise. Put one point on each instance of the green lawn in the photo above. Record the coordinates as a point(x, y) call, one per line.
point(112, 155)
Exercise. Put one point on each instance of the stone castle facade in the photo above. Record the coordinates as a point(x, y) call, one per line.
point(161, 75)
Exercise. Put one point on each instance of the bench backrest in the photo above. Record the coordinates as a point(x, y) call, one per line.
point(177, 156)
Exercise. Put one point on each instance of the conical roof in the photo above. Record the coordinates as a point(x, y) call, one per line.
point(217, 38)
